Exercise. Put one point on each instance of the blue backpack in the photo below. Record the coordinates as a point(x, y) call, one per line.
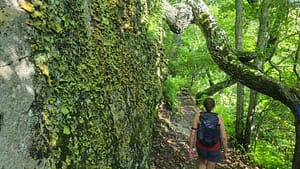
point(208, 132)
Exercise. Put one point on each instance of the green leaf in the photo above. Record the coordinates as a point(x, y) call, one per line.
point(81, 120)
point(58, 28)
point(36, 14)
point(64, 110)
point(66, 130)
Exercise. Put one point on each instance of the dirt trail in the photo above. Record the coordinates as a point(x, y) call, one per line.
point(171, 137)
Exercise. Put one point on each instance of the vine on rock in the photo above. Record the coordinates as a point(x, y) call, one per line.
point(96, 81)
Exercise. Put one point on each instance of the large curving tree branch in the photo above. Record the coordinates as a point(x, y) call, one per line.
point(215, 88)
point(179, 16)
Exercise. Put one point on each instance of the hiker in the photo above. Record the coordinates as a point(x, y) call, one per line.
point(211, 154)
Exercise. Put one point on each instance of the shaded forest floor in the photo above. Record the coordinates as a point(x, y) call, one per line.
point(171, 136)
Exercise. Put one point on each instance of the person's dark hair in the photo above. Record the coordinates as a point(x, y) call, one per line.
point(209, 104)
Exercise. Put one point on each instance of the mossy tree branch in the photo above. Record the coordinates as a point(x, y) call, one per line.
point(215, 88)
point(234, 63)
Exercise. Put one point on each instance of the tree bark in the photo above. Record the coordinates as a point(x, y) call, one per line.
point(239, 127)
point(250, 120)
point(260, 48)
point(215, 88)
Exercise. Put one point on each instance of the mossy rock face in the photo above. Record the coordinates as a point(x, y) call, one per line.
point(96, 81)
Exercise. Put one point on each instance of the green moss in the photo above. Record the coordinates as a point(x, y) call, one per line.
point(98, 86)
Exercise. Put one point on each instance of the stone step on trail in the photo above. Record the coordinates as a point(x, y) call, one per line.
point(188, 109)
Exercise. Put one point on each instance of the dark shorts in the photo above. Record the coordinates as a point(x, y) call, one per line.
point(213, 156)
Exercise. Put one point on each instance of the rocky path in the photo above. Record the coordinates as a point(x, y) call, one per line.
point(171, 137)
point(188, 110)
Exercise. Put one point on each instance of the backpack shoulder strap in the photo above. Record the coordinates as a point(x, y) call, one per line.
point(202, 114)
point(215, 114)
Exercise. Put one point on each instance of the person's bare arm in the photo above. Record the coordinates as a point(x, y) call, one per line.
point(223, 135)
point(192, 141)
point(194, 130)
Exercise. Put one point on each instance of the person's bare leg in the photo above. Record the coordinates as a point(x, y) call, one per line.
point(202, 164)
point(211, 165)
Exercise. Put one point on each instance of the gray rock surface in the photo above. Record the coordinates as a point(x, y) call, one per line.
point(16, 89)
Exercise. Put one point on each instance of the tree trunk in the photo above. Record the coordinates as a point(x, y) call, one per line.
point(239, 124)
point(250, 120)
point(261, 48)
point(240, 87)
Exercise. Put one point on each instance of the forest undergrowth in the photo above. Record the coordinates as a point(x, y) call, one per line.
point(170, 142)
